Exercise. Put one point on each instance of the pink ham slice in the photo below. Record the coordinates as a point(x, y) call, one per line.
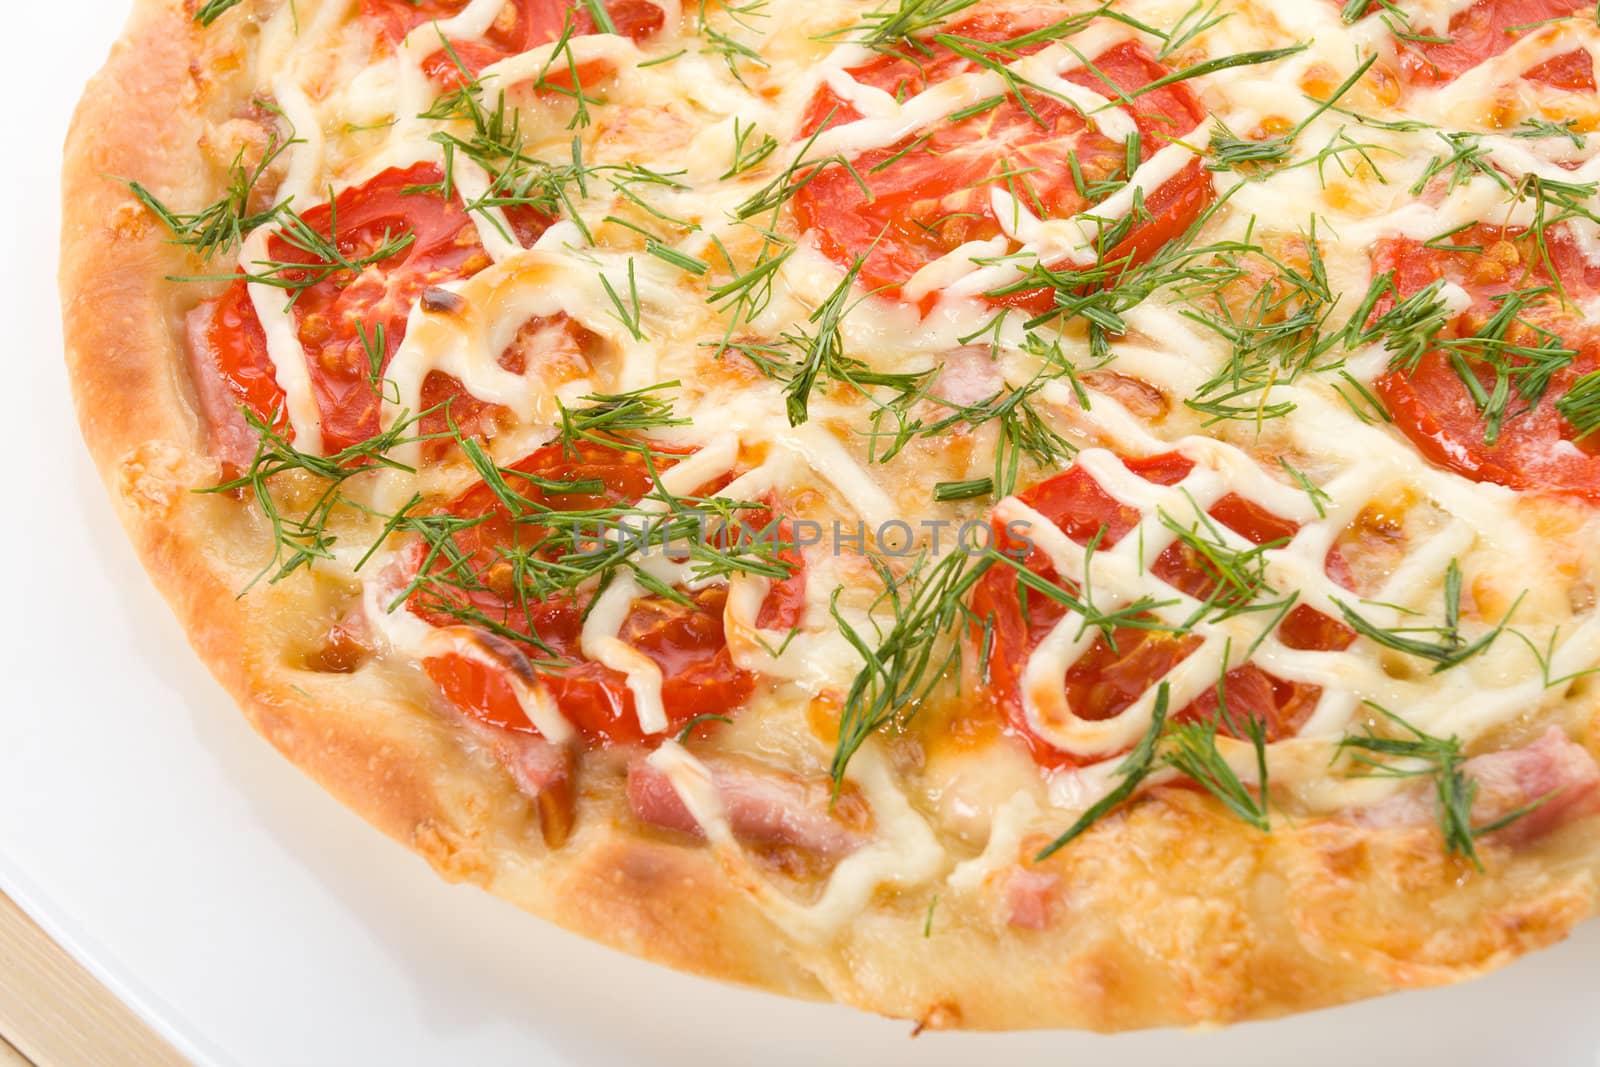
point(1555, 772)
point(536, 765)
point(762, 808)
point(1029, 897)
point(232, 440)
point(544, 771)
point(1554, 766)
point(968, 375)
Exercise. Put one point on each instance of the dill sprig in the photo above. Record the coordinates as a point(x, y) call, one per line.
point(1521, 355)
point(1100, 295)
point(912, 654)
point(800, 172)
point(1022, 432)
point(1134, 615)
point(299, 539)
point(1315, 493)
point(1133, 770)
point(1279, 335)
point(1534, 129)
point(614, 419)
point(1441, 760)
point(1410, 328)
point(749, 151)
point(1229, 152)
point(1190, 748)
point(1580, 405)
point(821, 351)
point(897, 26)
point(720, 43)
point(327, 260)
point(494, 141)
point(1237, 576)
point(222, 225)
point(803, 357)
point(1448, 647)
point(1467, 159)
point(212, 10)
point(1192, 752)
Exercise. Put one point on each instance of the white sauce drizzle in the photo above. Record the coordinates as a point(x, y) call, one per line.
point(561, 275)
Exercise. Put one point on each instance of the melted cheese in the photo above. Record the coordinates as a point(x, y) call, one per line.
point(670, 106)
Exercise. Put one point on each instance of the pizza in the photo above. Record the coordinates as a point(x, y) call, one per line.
point(1002, 513)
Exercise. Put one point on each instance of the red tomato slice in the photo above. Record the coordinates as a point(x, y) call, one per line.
point(1250, 694)
point(331, 315)
point(1307, 629)
point(1105, 680)
point(1479, 33)
point(929, 196)
point(1572, 71)
point(1432, 406)
point(522, 26)
point(238, 349)
point(686, 641)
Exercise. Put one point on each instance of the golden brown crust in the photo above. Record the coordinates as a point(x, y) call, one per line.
point(1170, 913)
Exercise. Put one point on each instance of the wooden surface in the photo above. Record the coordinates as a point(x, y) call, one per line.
point(54, 1014)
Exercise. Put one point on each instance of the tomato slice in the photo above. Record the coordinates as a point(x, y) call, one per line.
point(930, 192)
point(1480, 33)
point(333, 314)
point(237, 347)
point(1433, 406)
point(1112, 674)
point(522, 26)
point(543, 639)
point(1572, 71)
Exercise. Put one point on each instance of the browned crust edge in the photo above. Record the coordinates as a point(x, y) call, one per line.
point(1173, 913)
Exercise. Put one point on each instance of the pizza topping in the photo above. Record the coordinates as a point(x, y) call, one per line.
point(1572, 71)
point(519, 26)
point(513, 559)
point(1432, 54)
point(211, 10)
point(1485, 355)
point(936, 162)
point(1513, 797)
point(1030, 897)
point(1027, 604)
point(351, 269)
point(221, 226)
point(763, 807)
point(1525, 793)
point(231, 437)
point(346, 647)
point(943, 259)
point(546, 773)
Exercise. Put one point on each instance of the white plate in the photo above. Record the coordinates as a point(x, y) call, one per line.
point(254, 921)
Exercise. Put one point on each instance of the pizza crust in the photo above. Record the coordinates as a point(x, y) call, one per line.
point(1172, 913)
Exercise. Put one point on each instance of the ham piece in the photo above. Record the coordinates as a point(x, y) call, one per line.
point(762, 808)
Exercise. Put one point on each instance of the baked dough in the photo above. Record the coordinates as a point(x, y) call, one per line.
point(1170, 909)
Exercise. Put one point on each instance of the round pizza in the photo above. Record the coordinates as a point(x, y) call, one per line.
point(1002, 513)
